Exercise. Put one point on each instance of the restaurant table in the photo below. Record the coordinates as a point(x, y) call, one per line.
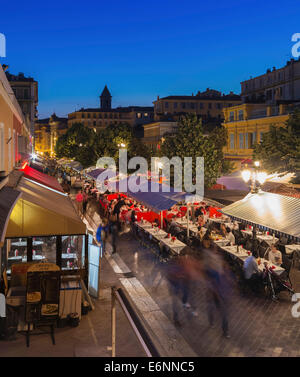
point(262, 237)
point(289, 249)
point(69, 256)
point(244, 254)
point(145, 225)
point(267, 238)
point(192, 227)
point(217, 219)
point(221, 242)
point(175, 246)
point(24, 258)
point(157, 234)
point(20, 244)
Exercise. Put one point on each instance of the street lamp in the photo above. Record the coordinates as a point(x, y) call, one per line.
point(256, 178)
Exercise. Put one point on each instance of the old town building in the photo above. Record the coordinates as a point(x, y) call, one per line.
point(26, 92)
point(47, 131)
point(155, 131)
point(208, 105)
point(281, 84)
point(14, 134)
point(105, 115)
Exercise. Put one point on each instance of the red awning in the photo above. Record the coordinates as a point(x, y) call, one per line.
point(247, 161)
point(41, 178)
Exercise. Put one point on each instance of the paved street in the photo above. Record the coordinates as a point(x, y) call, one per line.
point(258, 326)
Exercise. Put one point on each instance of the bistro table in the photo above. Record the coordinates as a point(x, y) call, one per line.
point(217, 220)
point(262, 237)
point(175, 246)
point(157, 233)
point(289, 249)
point(145, 225)
point(244, 254)
point(24, 243)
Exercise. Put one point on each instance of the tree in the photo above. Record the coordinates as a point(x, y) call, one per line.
point(78, 143)
point(279, 150)
point(190, 141)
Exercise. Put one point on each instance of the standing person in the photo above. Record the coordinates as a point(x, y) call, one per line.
point(179, 284)
point(101, 235)
point(79, 200)
point(84, 202)
point(216, 288)
point(114, 235)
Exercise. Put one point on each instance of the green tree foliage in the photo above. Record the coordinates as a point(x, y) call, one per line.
point(190, 141)
point(87, 146)
point(78, 143)
point(279, 150)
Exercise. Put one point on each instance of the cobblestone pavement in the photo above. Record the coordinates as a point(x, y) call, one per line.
point(258, 326)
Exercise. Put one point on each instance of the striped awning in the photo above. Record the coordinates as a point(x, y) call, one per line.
point(278, 213)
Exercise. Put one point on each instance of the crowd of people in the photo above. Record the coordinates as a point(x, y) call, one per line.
point(198, 264)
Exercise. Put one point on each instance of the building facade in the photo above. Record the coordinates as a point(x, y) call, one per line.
point(208, 105)
point(14, 134)
point(26, 92)
point(105, 115)
point(155, 131)
point(47, 131)
point(246, 124)
point(281, 84)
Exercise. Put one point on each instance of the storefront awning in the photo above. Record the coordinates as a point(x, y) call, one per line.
point(41, 178)
point(8, 200)
point(276, 212)
point(41, 211)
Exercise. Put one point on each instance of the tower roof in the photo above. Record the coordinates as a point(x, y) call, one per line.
point(105, 92)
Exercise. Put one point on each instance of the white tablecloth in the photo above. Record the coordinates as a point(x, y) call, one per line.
point(243, 254)
point(289, 249)
point(176, 246)
point(157, 234)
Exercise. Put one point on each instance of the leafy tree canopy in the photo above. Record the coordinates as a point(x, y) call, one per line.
point(190, 141)
point(279, 150)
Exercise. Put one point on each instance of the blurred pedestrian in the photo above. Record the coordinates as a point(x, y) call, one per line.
point(216, 288)
point(179, 284)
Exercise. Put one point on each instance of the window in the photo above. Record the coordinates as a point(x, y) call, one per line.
point(182, 105)
point(192, 105)
point(231, 116)
point(44, 249)
point(89, 115)
point(201, 105)
point(209, 105)
point(175, 105)
point(138, 115)
point(166, 105)
point(246, 141)
point(16, 249)
point(252, 139)
point(241, 114)
point(261, 136)
point(231, 141)
point(241, 141)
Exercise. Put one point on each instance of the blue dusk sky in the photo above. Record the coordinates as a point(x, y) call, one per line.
point(142, 49)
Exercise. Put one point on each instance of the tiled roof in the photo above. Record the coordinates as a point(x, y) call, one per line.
point(227, 97)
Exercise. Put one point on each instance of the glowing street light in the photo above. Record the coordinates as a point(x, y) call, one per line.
point(256, 178)
point(246, 174)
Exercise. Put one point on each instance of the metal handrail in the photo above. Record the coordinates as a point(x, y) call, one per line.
point(134, 321)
